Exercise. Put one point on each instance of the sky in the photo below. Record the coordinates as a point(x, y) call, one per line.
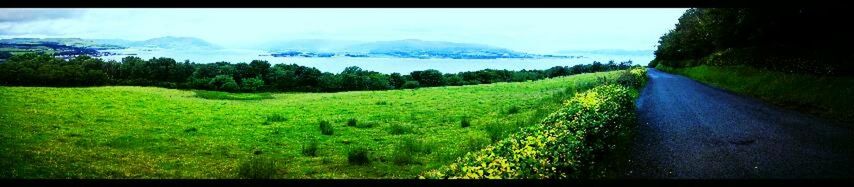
point(527, 30)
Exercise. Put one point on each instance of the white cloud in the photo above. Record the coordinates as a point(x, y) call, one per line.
point(32, 14)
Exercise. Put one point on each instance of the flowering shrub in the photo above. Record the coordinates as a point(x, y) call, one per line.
point(639, 73)
point(635, 78)
point(569, 143)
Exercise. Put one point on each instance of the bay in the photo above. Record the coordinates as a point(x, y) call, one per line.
point(378, 64)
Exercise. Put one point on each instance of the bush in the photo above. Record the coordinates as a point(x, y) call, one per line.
point(513, 110)
point(230, 86)
point(397, 129)
point(258, 167)
point(191, 130)
point(351, 122)
point(223, 82)
point(567, 144)
point(652, 64)
point(411, 84)
point(252, 84)
point(310, 148)
point(358, 156)
point(199, 83)
point(276, 118)
point(634, 78)
point(326, 128)
point(464, 122)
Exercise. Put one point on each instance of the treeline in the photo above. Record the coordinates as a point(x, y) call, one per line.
point(806, 40)
point(258, 75)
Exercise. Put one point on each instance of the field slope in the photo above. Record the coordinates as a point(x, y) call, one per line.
point(146, 132)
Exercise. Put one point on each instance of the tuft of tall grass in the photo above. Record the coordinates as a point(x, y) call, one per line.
point(258, 167)
point(351, 122)
point(406, 150)
point(276, 118)
point(358, 156)
point(398, 129)
point(497, 131)
point(513, 110)
point(326, 128)
point(191, 130)
point(310, 148)
point(474, 143)
point(464, 122)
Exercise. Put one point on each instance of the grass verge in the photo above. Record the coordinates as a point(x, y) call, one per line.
point(824, 96)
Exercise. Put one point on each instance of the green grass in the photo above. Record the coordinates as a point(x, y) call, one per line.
point(827, 97)
point(148, 132)
point(39, 49)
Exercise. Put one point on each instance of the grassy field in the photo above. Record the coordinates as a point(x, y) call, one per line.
point(828, 97)
point(15, 51)
point(146, 132)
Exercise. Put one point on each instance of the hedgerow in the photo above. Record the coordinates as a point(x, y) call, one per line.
point(569, 143)
point(634, 78)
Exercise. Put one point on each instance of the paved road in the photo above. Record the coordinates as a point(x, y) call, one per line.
point(690, 130)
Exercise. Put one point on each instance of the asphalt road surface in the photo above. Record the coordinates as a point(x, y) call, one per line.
point(690, 130)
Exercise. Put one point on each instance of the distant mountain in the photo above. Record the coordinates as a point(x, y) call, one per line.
point(170, 42)
point(72, 42)
point(609, 52)
point(410, 48)
point(116, 42)
point(309, 45)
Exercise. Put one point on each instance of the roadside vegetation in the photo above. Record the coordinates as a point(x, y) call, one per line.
point(786, 40)
point(575, 141)
point(777, 55)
